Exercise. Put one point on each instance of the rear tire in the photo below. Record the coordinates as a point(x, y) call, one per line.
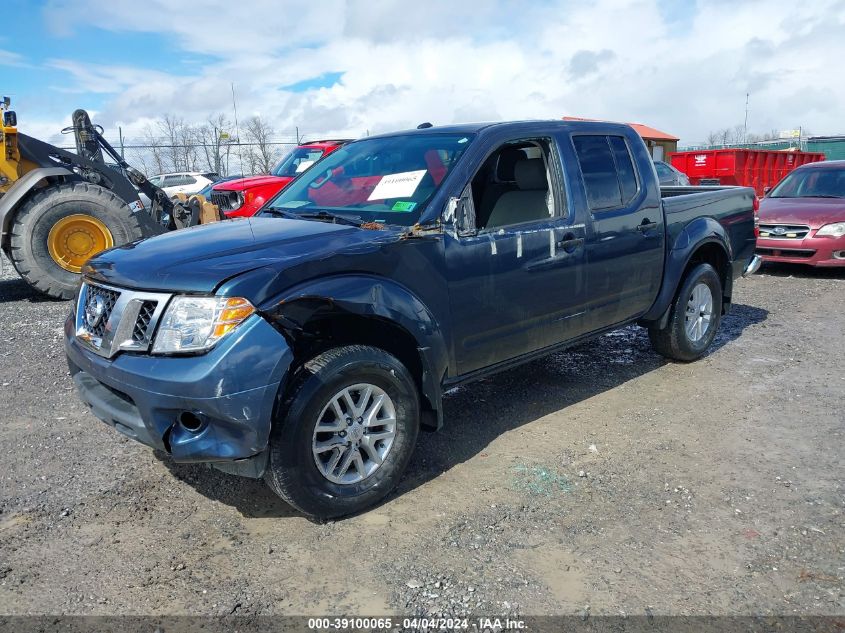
point(694, 317)
point(97, 211)
point(301, 474)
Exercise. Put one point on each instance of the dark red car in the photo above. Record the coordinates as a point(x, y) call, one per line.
point(244, 196)
point(802, 220)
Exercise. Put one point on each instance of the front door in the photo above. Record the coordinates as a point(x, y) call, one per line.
point(517, 284)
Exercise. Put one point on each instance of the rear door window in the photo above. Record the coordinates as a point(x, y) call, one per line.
point(610, 177)
point(624, 168)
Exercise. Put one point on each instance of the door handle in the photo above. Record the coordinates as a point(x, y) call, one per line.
point(646, 225)
point(569, 243)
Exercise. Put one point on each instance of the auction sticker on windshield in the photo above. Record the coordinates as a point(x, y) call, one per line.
point(401, 185)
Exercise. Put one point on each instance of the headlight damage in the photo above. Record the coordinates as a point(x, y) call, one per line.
point(193, 324)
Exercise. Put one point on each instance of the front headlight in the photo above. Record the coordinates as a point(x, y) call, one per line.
point(832, 230)
point(193, 324)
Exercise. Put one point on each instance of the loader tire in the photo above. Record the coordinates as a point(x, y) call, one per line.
point(59, 228)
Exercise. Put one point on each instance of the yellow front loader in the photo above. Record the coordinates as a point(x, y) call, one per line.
point(58, 209)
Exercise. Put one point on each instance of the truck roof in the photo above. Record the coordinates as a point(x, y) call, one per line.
point(824, 164)
point(474, 128)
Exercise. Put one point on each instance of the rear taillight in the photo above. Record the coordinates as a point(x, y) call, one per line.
point(756, 206)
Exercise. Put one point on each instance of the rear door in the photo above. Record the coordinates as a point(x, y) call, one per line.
point(626, 250)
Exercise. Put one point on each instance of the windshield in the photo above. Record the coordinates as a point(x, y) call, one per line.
point(827, 182)
point(297, 161)
point(387, 180)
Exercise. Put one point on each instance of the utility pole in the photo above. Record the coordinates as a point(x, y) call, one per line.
point(745, 126)
point(120, 135)
point(237, 130)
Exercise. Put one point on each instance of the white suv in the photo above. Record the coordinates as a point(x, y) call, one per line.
point(187, 182)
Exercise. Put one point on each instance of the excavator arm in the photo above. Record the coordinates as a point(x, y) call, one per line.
point(90, 145)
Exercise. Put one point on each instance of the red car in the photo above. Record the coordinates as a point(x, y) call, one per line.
point(244, 196)
point(802, 220)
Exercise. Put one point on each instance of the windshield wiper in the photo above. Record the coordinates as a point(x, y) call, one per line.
point(322, 215)
point(352, 220)
point(281, 213)
point(824, 195)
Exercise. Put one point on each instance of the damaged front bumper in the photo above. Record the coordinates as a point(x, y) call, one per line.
point(215, 407)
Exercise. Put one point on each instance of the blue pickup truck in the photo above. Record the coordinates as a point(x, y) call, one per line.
point(309, 344)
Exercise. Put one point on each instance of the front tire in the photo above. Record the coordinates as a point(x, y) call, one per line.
point(346, 433)
point(694, 317)
point(61, 227)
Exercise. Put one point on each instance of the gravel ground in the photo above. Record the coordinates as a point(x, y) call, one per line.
point(601, 480)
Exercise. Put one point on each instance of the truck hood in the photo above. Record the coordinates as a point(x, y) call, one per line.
point(200, 258)
point(815, 212)
point(242, 184)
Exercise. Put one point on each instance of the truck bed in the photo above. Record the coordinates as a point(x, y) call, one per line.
point(683, 204)
point(732, 207)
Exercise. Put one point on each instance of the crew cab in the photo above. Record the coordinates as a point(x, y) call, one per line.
point(243, 197)
point(310, 343)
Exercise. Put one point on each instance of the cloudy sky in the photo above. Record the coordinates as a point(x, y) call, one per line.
point(348, 67)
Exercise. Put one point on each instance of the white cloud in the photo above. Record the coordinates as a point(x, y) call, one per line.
point(99, 78)
point(10, 58)
point(439, 61)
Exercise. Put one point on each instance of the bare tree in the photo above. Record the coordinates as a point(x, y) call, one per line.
point(172, 145)
point(140, 159)
point(212, 141)
point(714, 138)
point(736, 136)
point(261, 154)
point(153, 151)
point(172, 153)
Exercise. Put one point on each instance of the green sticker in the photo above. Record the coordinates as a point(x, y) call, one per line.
point(403, 206)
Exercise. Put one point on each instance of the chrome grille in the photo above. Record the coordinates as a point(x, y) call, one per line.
point(110, 320)
point(99, 303)
point(142, 332)
point(227, 200)
point(784, 231)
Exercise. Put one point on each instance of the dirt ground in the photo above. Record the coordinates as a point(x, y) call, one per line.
point(600, 480)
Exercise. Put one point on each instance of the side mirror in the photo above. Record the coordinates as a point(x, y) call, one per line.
point(461, 211)
point(766, 190)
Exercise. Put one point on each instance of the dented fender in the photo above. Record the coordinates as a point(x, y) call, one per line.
point(369, 297)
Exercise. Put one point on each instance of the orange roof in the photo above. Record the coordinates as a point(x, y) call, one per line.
point(643, 130)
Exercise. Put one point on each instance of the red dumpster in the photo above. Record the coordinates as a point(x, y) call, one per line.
point(747, 167)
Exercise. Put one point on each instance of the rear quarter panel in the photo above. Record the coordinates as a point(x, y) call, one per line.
point(696, 216)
